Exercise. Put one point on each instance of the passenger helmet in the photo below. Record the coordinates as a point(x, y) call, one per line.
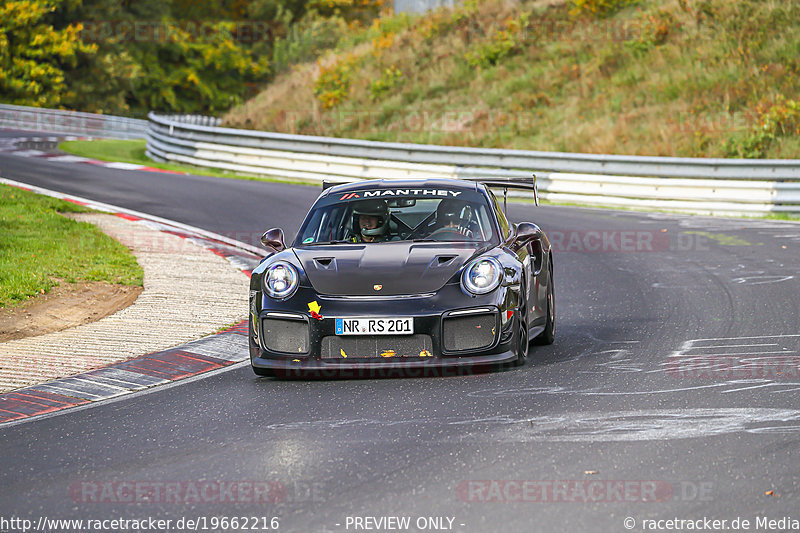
point(449, 212)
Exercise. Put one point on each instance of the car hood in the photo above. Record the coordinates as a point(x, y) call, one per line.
point(397, 267)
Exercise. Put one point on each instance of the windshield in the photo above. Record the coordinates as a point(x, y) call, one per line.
point(387, 215)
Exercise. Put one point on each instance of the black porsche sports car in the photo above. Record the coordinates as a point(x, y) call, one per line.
point(402, 274)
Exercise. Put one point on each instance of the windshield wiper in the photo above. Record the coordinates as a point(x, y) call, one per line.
point(446, 241)
point(328, 242)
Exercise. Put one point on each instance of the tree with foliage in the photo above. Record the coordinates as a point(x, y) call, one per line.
point(35, 56)
point(133, 56)
point(184, 74)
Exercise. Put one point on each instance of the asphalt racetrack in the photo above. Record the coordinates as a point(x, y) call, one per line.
point(672, 393)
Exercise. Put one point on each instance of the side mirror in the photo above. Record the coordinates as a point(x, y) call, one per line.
point(273, 240)
point(525, 234)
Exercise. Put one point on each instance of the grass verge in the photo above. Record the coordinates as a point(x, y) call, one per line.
point(39, 247)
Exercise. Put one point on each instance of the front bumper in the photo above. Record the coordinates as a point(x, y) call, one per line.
point(431, 314)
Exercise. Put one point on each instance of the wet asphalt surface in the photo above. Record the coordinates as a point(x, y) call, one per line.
point(672, 392)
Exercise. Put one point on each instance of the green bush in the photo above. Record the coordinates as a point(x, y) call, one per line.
point(501, 43)
point(390, 78)
point(782, 118)
point(779, 119)
point(333, 84)
point(653, 29)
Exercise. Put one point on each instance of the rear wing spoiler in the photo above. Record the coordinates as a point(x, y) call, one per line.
point(528, 184)
point(328, 184)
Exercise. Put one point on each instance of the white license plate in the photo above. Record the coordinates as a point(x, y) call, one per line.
point(375, 326)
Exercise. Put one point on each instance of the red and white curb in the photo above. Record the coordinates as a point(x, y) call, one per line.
point(211, 353)
point(44, 148)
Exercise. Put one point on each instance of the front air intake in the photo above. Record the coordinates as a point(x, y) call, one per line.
point(469, 332)
point(286, 335)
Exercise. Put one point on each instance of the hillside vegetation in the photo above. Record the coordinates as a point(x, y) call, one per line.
point(710, 78)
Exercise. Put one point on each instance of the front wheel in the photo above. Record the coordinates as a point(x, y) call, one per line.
point(549, 334)
point(523, 341)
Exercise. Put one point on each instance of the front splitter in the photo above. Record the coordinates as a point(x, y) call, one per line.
point(339, 368)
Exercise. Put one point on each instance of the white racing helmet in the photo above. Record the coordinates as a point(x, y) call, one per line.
point(375, 208)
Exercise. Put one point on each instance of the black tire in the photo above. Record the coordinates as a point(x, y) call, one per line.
point(523, 342)
point(549, 334)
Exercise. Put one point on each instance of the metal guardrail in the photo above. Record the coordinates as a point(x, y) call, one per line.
point(718, 186)
point(71, 122)
point(196, 120)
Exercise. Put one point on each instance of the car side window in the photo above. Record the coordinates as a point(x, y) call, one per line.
point(501, 217)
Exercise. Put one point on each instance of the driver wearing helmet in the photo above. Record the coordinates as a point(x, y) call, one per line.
point(371, 221)
point(449, 222)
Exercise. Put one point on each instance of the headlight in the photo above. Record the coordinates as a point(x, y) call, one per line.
point(280, 280)
point(483, 275)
